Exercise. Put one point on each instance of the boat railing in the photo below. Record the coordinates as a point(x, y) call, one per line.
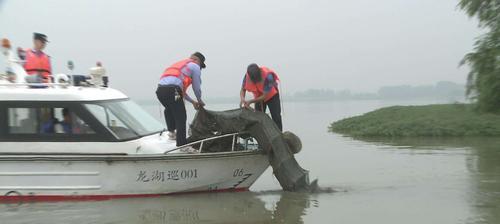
point(201, 142)
point(40, 85)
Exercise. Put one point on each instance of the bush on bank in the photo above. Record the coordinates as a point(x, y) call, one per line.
point(430, 120)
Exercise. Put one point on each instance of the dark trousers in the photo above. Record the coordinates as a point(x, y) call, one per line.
point(274, 105)
point(175, 111)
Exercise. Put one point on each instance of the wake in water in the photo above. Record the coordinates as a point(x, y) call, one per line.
point(313, 190)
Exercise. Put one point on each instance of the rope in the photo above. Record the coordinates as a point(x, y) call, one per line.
point(159, 110)
point(281, 100)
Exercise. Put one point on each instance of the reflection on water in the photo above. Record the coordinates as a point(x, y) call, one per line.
point(482, 159)
point(291, 207)
point(244, 207)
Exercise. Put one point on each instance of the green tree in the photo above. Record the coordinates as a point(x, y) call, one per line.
point(483, 81)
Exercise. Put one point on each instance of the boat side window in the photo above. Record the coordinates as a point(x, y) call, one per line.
point(46, 121)
point(22, 121)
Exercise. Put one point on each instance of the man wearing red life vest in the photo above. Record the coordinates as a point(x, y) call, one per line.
point(262, 82)
point(172, 89)
point(37, 63)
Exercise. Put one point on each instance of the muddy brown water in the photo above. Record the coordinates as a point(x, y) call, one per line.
point(411, 180)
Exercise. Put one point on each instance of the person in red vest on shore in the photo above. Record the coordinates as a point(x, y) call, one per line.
point(262, 82)
point(171, 92)
point(37, 63)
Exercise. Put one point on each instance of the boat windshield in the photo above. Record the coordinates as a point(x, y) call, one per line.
point(124, 118)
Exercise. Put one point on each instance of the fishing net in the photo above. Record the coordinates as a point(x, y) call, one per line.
point(261, 127)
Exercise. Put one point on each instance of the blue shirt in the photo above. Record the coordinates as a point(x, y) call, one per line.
point(48, 127)
point(269, 83)
point(192, 70)
point(67, 127)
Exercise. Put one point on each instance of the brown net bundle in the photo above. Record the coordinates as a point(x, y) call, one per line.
point(261, 127)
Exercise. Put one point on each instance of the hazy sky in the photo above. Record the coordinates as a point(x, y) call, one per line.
point(358, 45)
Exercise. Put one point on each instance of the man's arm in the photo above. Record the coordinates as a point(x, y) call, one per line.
point(188, 98)
point(268, 85)
point(21, 53)
point(258, 99)
point(243, 103)
point(196, 77)
point(242, 94)
point(49, 77)
point(50, 65)
point(243, 91)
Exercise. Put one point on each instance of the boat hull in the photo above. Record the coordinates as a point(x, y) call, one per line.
point(105, 176)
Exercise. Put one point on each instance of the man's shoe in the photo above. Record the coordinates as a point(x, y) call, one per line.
point(171, 135)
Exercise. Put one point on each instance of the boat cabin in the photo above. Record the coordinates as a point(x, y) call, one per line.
point(68, 119)
point(71, 114)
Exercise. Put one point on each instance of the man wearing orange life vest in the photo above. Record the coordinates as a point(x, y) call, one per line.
point(172, 89)
point(37, 63)
point(263, 83)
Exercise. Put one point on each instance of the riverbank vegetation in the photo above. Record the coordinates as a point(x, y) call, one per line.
point(443, 120)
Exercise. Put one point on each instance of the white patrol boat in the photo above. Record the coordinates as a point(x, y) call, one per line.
point(60, 141)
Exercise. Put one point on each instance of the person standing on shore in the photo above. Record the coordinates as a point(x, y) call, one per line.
point(171, 93)
point(262, 82)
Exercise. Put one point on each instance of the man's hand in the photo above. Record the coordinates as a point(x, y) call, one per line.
point(196, 105)
point(21, 53)
point(201, 103)
point(245, 104)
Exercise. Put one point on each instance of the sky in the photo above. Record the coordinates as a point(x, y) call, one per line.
point(358, 45)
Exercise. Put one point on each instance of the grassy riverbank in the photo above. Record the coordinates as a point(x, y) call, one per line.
point(430, 120)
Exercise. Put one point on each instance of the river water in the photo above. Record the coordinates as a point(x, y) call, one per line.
point(412, 180)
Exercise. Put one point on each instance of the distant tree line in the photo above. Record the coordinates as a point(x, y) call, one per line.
point(442, 90)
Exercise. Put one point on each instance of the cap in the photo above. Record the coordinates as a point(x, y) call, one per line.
point(202, 59)
point(40, 36)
